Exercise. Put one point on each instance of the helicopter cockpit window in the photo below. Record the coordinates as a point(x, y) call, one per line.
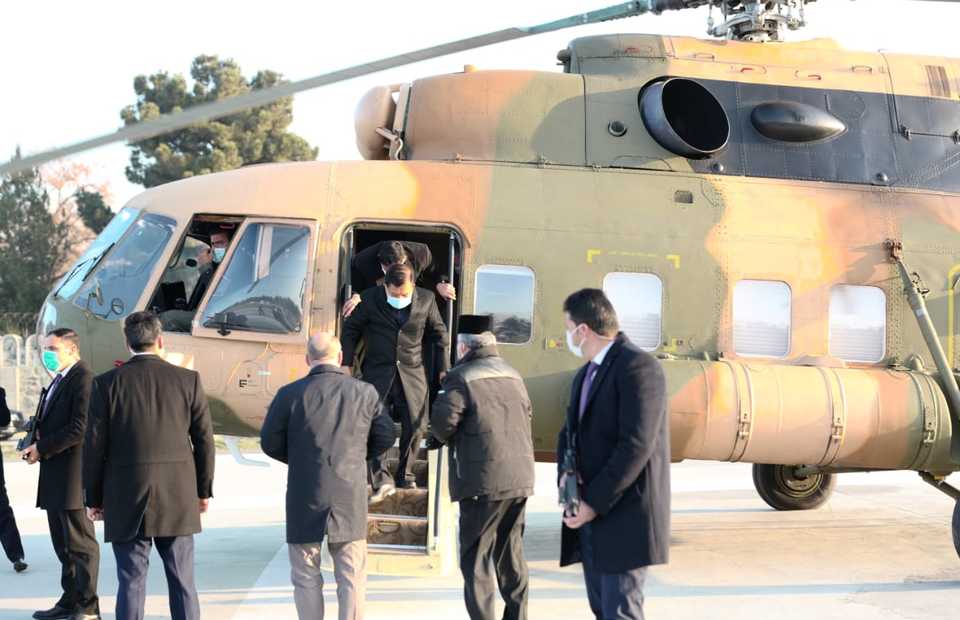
point(638, 301)
point(761, 318)
point(100, 246)
point(858, 321)
point(263, 288)
point(190, 271)
point(115, 287)
point(506, 293)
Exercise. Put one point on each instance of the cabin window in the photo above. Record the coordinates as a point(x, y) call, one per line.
point(761, 318)
point(115, 287)
point(506, 293)
point(263, 287)
point(858, 323)
point(638, 301)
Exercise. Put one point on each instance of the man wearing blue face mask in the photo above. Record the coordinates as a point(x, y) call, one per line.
point(209, 262)
point(61, 422)
point(394, 321)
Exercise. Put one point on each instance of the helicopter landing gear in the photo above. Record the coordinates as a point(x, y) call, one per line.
point(940, 483)
point(956, 527)
point(783, 487)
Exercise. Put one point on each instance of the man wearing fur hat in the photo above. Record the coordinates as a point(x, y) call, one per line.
point(483, 413)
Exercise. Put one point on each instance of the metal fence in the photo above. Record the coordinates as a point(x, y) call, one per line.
point(21, 372)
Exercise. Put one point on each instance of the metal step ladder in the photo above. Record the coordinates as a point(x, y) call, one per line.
point(413, 532)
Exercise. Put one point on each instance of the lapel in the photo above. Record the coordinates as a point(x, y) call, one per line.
point(64, 382)
point(602, 372)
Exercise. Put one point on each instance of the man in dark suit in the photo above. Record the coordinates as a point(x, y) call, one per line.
point(148, 468)
point(370, 264)
point(325, 426)
point(394, 321)
point(618, 428)
point(9, 534)
point(61, 422)
point(483, 412)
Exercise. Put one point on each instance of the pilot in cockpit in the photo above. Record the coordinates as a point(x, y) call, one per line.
point(175, 307)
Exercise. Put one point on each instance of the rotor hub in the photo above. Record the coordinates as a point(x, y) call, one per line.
point(755, 20)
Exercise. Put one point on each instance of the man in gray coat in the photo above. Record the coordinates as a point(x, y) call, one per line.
point(483, 413)
point(325, 427)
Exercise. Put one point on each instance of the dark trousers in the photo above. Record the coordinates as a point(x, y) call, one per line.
point(9, 534)
point(491, 557)
point(613, 596)
point(133, 561)
point(411, 434)
point(75, 543)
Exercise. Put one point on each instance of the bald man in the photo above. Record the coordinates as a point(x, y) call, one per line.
point(325, 427)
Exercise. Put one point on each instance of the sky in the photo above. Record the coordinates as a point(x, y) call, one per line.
point(67, 68)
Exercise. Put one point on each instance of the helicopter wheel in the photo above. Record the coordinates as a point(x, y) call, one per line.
point(782, 489)
point(956, 527)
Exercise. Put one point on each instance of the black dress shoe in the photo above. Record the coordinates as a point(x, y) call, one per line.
point(407, 484)
point(54, 613)
point(19, 566)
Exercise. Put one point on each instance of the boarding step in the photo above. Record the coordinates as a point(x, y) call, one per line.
point(397, 530)
point(406, 502)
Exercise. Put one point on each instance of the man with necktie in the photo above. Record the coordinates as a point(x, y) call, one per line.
point(618, 423)
point(61, 424)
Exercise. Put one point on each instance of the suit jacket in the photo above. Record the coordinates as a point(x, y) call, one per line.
point(149, 452)
point(623, 456)
point(392, 348)
point(60, 427)
point(325, 427)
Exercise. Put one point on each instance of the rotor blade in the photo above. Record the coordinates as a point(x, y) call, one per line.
point(224, 107)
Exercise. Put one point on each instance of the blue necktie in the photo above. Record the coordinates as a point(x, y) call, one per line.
point(585, 388)
point(50, 390)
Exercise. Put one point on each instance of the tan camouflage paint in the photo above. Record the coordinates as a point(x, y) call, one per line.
point(550, 203)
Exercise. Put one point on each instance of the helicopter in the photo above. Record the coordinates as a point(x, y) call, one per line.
point(777, 222)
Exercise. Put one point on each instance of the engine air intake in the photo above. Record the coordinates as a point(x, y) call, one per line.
point(684, 118)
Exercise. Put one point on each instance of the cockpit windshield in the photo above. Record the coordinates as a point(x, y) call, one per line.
point(115, 287)
point(100, 246)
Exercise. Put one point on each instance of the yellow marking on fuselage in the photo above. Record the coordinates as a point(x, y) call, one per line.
point(592, 253)
point(675, 259)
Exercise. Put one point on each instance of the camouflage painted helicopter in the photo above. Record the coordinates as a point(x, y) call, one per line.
point(778, 222)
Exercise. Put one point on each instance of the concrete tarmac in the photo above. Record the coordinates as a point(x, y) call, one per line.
point(880, 549)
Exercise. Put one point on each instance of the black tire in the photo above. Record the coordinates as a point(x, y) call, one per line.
point(782, 490)
point(956, 527)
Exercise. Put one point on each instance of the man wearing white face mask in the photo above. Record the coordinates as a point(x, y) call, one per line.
point(395, 321)
point(618, 431)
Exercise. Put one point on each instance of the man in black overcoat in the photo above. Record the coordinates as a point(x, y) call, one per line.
point(617, 426)
point(148, 468)
point(395, 321)
point(325, 427)
point(61, 423)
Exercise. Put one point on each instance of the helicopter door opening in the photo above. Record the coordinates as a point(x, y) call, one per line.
point(411, 532)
